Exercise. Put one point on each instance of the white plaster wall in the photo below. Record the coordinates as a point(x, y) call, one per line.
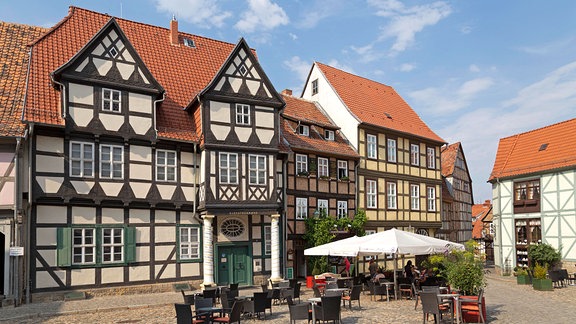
point(140, 153)
point(50, 214)
point(113, 274)
point(50, 184)
point(45, 163)
point(141, 125)
point(85, 276)
point(140, 171)
point(220, 132)
point(79, 93)
point(220, 111)
point(264, 118)
point(50, 144)
point(44, 279)
point(49, 256)
point(81, 116)
point(330, 102)
point(243, 133)
point(139, 189)
point(46, 236)
point(111, 189)
point(139, 216)
point(165, 216)
point(187, 175)
point(112, 216)
point(187, 158)
point(165, 234)
point(166, 191)
point(83, 215)
point(82, 187)
point(163, 252)
point(112, 122)
point(139, 273)
point(257, 248)
point(190, 269)
point(143, 234)
point(169, 271)
point(142, 254)
point(188, 218)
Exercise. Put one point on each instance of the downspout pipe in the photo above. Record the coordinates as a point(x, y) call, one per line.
point(63, 95)
point(156, 102)
point(29, 212)
point(15, 276)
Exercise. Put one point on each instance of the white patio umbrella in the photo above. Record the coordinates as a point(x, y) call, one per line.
point(345, 247)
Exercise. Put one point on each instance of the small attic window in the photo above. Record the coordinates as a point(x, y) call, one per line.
point(190, 43)
point(329, 135)
point(113, 52)
point(304, 130)
point(543, 147)
point(388, 115)
point(243, 70)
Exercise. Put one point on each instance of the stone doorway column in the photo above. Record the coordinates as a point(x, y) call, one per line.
point(275, 228)
point(207, 247)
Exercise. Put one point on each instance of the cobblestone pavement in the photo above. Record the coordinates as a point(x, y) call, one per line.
point(506, 302)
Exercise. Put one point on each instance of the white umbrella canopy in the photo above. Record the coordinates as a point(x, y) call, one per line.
point(345, 247)
point(394, 241)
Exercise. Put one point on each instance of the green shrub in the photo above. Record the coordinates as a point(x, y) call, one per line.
point(544, 254)
point(521, 272)
point(540, 271)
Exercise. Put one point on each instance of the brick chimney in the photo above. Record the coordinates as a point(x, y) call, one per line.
point(487, 203)
point(287, 92)
point(174, 31)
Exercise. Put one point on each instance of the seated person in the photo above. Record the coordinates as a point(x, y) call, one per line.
point(379, 275)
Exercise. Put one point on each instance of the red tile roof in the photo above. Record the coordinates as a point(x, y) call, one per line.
point(481, 213)
point(297, 109)
point(373, 102)
point(544, 149)
point(182, 71)
point(448, 156)
point(14, 39)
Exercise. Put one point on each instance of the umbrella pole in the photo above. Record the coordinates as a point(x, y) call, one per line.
point(395, 258)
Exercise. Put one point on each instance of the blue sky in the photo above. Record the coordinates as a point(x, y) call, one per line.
point(475, 71)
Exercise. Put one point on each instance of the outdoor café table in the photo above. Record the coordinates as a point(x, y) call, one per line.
point(209, 310)
point(388, 284)
point(314, 301)
point(341, 290)
point(457, 306)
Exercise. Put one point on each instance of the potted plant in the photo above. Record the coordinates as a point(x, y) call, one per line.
point(522, 276)
point(540, 282)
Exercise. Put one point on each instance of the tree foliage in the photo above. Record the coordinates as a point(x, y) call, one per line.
point(320, 231)
point(543, 254)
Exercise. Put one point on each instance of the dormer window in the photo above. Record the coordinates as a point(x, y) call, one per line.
point(111, 100)
point(304, 130)
point(329, 135)
point(189, 43)
point(242, 114)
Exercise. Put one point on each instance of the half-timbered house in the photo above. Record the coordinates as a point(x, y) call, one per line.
point(459, 184)
point(320, 173)
point(399, 179)
point(534, 194)
point(154, 158)
point(14, 39)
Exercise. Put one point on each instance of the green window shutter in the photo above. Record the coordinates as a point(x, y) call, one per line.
point(130, 244)
point(64, 246)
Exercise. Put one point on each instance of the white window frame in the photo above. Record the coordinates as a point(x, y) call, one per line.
point(109, 100)
point(228, 170)
point(342, 169)
point(257, 169)
point(314, 86)
point(267, 240)
point(323, 167)
point(166, 167)
point(342, 209)
point(431, 157)
point(415, 154)
point(431, 197)
point(189, 238)
point(79, 250)
point(82, 159)
point(322, 205)
point(113, 165)
point(301, 163)
point(301, 208)
point(329, 135)
point(242, 114)
point(116, 253)
point(371, 146)
point(391, 148)
point(371, 194)
point(414, 197)
point(304, 130)
point(391, 195)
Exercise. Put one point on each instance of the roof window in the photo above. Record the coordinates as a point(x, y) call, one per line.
point(329, 135)
point(543, 147)
point(190, 43)
point(113, 52)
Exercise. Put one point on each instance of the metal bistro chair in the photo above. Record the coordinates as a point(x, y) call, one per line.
point(184, 315)
point(329, 310)
point(430, 305)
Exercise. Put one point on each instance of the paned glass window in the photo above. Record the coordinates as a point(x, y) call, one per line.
point(242, 114)
point(111, 161)
point(257, 166)
point(229, 168)
point(371, 146)
point(323, 167)
point(301, 208)
point(81, 159)
point(111, 100)
point(166, 165)
point(189, 242)
point(371, 194)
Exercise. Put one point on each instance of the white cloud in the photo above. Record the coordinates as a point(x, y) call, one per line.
point(466, 30)
point(407, 67)
point(318, 10)
point(202, 13)
point(405, 22)
point(472, 87)
point(293, 36)
point(300, 67)
point(262, 15)
point(547, 48)
point(340, 66)
point(367, 53)
point(474, 68)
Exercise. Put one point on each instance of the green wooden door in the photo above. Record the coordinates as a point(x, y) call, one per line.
point(233, 265)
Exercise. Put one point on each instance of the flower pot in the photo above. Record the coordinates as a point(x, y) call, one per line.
point(473, 317)
point(309, 281)
point(542, 284)
point(523, 280)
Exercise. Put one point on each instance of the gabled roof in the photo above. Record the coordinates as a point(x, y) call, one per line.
point(308, 112)
point(14, 39)
point(448, 155)
point(544, 149)
point(482, 213)
point(376, 103)
point(182, 71)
